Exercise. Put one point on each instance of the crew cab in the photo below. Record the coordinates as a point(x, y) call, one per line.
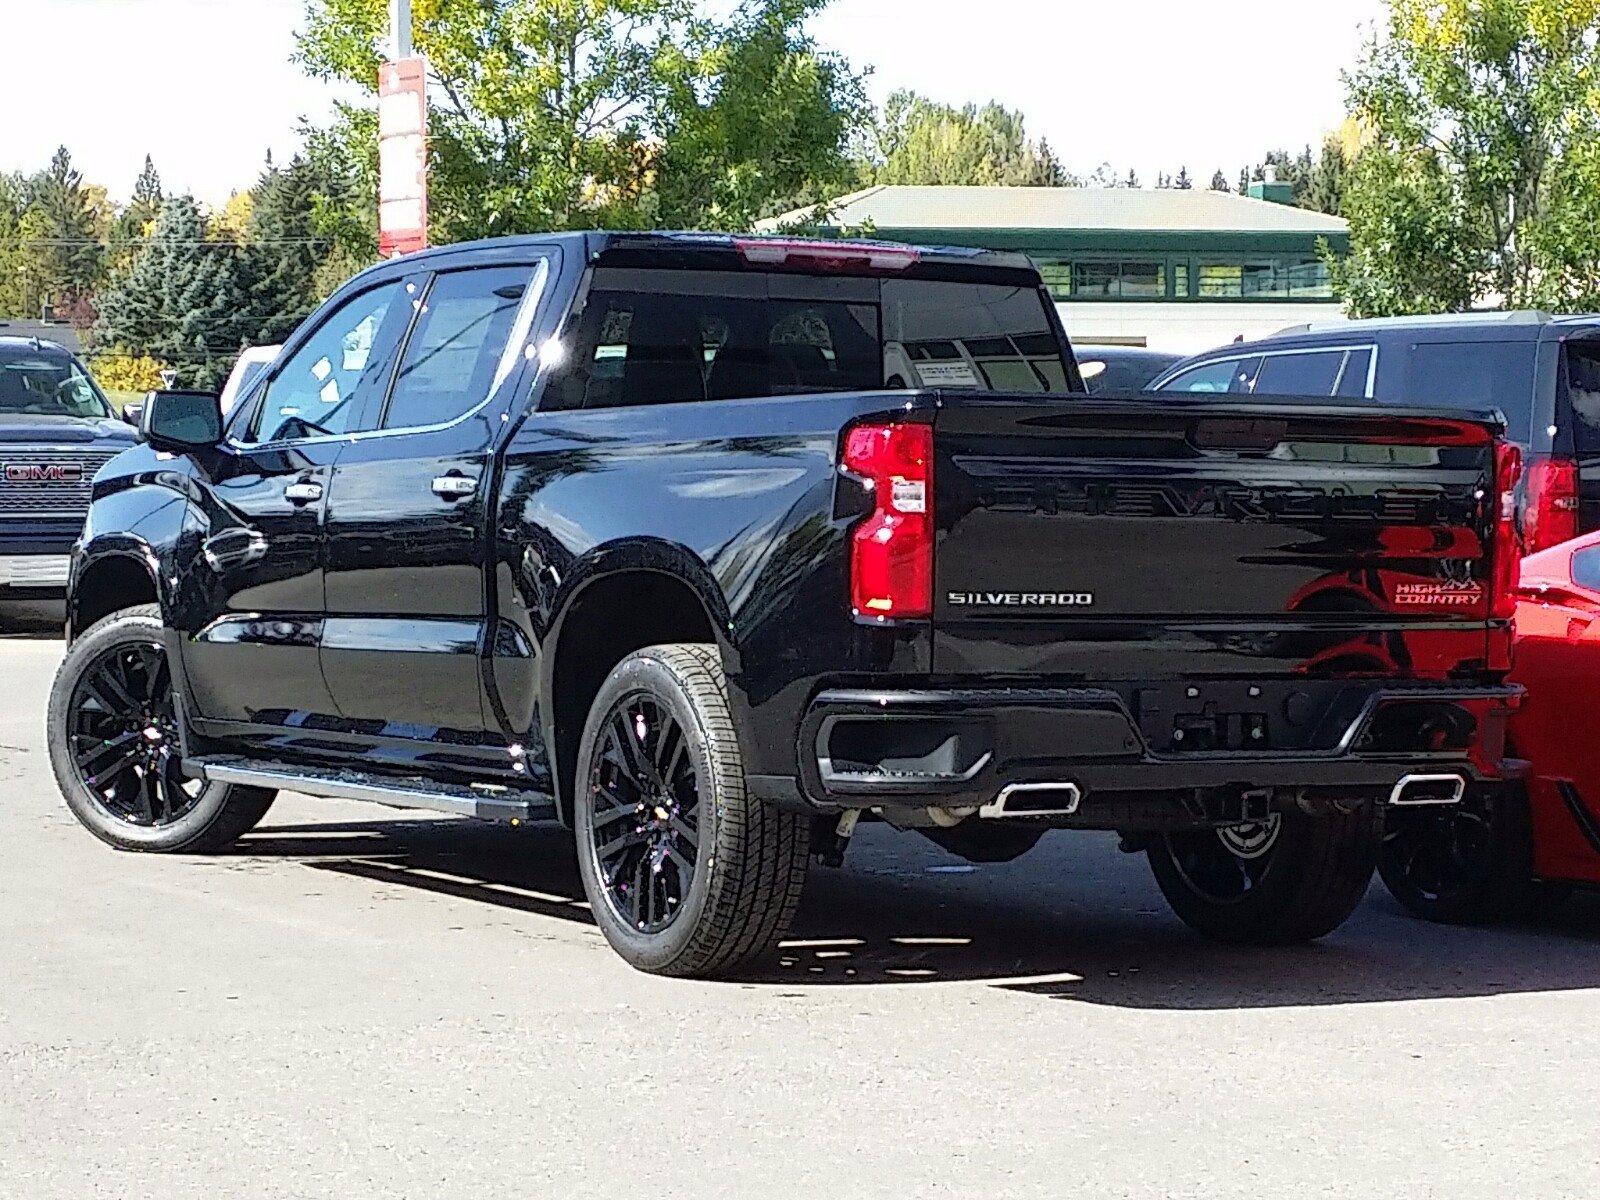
point(710, 547)
point(56, 431)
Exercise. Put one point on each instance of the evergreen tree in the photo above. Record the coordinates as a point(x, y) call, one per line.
point(1183, 183)
point(1244, 181)
point(1325, 187)
point(145, 205)
point(178, 300)
point(13, 301)
point(282, 252)
point(1219, 182)
point(63, 246)
point(1132, 180)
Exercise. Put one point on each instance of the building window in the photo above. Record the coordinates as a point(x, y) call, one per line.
point(1057, 278)
point(1180, 280)
point(1131, 279)
point(1266, 279)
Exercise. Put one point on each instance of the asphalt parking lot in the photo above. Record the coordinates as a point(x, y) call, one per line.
point(357, 1003)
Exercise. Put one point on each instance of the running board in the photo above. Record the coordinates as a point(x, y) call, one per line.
point(486, 801)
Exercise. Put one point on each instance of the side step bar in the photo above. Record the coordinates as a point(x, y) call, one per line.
point(484, 802)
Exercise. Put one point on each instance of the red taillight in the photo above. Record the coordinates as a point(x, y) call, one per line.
point(1550, 516)
point(823, 255)
point(891, 551)
point(1506, 550)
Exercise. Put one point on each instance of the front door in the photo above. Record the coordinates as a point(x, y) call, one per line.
point(408, 513)
point(256, 604)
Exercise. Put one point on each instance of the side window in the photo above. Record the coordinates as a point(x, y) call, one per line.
point(639, 347)
point(464, 345)
point(1583, 390)
point(1357, 372)
point(1477, 374)
point(1228, 375)
point(314, 392)
point(1300, 374)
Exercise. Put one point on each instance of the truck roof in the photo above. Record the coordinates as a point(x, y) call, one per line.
point(727, 249)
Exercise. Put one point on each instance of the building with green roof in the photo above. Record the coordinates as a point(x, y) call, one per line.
point(1180, 270)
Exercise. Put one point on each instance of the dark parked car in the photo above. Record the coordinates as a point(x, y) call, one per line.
point(56, 431)
point(1121, 368)
point(633, 532)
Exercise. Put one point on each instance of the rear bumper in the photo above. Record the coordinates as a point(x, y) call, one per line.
point(956, 748)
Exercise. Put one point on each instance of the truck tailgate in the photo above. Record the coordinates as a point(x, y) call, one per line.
point(1133, 537)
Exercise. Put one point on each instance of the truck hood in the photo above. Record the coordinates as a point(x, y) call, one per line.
point(106, 433)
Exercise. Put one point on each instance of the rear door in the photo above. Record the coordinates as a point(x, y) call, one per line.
point(407, 526)
point(1130, 539)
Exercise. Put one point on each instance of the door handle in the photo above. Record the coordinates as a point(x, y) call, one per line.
point(302, 493)
point(454, 487)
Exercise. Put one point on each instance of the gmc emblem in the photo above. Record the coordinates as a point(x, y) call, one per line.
point(44, 473)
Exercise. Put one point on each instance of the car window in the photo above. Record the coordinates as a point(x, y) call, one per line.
point(1474, 375)
point(980, 336)
point(47, 382)
point(1583, 393)
point(1357, 373)
point(1586, 568)
point(1227, 375)
point(709, 343)
point(314, 392)
point(463, 346)
point(1313, 374)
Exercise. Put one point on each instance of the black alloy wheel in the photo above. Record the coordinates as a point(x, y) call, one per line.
point(122, 735)
point(1225, 865)
point(646, 826)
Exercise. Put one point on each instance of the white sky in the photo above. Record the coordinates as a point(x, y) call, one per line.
point(206, 86)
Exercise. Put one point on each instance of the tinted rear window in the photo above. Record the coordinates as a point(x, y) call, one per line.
point(661, 337)
point(1473, 375)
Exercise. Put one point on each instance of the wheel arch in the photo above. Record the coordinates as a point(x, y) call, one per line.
point(109, 579)
point(644, 594)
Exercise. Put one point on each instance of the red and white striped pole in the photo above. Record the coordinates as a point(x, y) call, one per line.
point(402, 141)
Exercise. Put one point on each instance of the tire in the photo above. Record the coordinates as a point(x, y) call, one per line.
point(137, 770)
point(671, 903)
point(1292, 879)
point(1465, 864)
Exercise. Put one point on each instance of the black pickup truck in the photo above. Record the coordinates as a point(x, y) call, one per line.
point(709, 547)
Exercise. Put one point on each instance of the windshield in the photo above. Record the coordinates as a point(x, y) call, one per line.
point(47, 382)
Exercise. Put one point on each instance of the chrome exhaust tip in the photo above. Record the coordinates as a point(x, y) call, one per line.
point(1033, 800)
point(1417, 790)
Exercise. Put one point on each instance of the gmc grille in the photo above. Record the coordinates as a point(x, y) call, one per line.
point(30, 488)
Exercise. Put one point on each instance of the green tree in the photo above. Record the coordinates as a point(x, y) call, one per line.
point(63, 243)
point(1482, 118)
point(1324, 190)
point(1219, 182)
point(178, 300)
point(923, 142)
point(13, 255)
point(283, 250)
point(1183, 183)
point(552, 114)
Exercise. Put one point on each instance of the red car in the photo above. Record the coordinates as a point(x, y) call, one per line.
point(1510, 848)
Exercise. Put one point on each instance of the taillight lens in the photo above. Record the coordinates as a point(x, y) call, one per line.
point(1550, 516)
point(891, 551)
point(1507, 551)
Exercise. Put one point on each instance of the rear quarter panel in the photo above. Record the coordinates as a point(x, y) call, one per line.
point(735, 498)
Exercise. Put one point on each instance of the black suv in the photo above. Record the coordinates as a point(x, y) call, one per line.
point(1541, 372)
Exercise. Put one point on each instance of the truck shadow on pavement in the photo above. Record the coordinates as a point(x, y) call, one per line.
point(1073, 921)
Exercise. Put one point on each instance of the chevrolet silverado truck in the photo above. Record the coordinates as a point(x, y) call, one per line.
point(710, 547)
point(56, 431)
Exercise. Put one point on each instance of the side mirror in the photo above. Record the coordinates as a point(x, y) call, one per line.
point(132, 411)
point(181, 421)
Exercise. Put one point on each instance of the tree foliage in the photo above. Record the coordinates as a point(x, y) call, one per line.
point(1476, 184)
point(556, 114)
point(178, 300)
point(922, 142)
